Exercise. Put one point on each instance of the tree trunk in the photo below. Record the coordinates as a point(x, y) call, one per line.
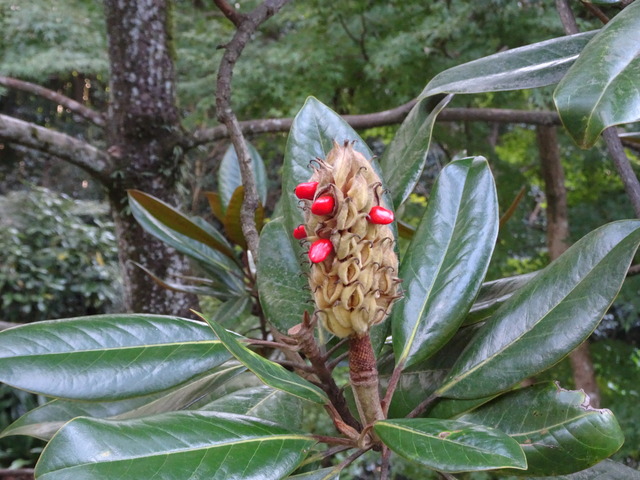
point(557, 235)
point(143, 130)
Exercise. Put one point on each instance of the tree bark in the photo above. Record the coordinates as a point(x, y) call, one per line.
point(144, 134)
point(557, 235)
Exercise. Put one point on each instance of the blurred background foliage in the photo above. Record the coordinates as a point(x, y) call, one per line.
point(57, 246)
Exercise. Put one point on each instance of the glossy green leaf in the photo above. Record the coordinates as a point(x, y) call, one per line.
point(450, 445)
point(446, 261)
point(605, 470)
point(550, 316)
point(332, 473)
point(403, 160)
point(43, 422)
point(531, 66)
point(262, 402)
point(557, 429)
point(495, 293)
point(284, 291)
point(172, 446)
point(107, 357)
point(230, 178)
point(267, 371)
point(164, 214)
point(601, 88)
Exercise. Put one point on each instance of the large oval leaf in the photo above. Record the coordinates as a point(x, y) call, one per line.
point(403, 160)
point(601, 88)
point(284, 291)
point(547, 318)
point(270, 373)
point(172, 446)
point(107, 357)
point(531, 66)
point(230, 178)
point(446, 261)
point(450, 445)
point(557, 429)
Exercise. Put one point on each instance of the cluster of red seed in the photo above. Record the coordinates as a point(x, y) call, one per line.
point(351, 248)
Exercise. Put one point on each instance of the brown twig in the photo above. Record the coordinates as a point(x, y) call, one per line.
point(246, 28)
point(384, 466)
point(391, 388)
point(229, 12)
point(596, 12)
point(70, 104)
point(426, 403)
point(333, 440)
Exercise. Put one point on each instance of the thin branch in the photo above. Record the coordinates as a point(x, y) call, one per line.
point(234, 48)
point(229, 12)
point(92, 160)
point(566, 17)
point(334, 440)
point(623, 166)
point(633, 270)
point(596, 11)
point(383, 118)
point(70, 104)
point(426, 403)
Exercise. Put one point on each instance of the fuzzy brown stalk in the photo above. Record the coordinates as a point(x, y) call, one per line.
point(363, 374)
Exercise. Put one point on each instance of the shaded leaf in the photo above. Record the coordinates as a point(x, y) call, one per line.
point(232, 221)
point(549, 316)
point(107, 357)
point(267, 371)
point(601, 88)
point(531, 66)
point(450, 445)
point(230, 178)
point(284, 291)
point(332, 473)
point(446, 261)
point(215, 203)
point(403, 160)
point(172, 446)
point(557, 429)
point(605, 470)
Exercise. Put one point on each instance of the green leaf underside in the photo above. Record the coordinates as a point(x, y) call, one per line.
point(47, 419)
point(172, 446)
point(605, 470)
point(531, 66)
point(230, 178)
point(556, 428)
point(601, 88)
point(446, 261)
point(449, 445)
point(548, 317)
point(284, 291)
point(267, 371)
point(403, 160)
point(107, 357)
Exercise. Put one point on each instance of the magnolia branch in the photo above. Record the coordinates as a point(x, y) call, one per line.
point(247, 26)
point(87, 113)
point(79, 153)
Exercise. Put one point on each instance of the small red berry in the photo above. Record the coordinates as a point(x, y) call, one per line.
point(380, 216)
point(299, 232)
point(320, 250)
point(323, 205)
point(306, 191)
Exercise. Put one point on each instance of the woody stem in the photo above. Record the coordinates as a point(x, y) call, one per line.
point(363, 374)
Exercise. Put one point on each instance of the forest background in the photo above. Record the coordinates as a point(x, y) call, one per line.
point(59, 244)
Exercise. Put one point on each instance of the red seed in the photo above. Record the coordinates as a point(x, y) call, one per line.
point(306, 191)
point(323, 205)
point(299, 232)
point(320, 250)
point(380, 216)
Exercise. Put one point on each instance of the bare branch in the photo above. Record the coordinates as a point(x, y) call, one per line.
point(229, 12)
point(79, 153)
point(87, 113)
point(383, 118)
point(234, 48)
point(623, 166)
point(566, 17)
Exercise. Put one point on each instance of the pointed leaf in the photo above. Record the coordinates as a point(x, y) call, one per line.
point(531, 66)
point(43, 422)
point(284, 291)
point(172, 446)
point(557, 429)
point(267, 371)
point(446, 261)
point(605, 470)
point(107, 357)
point(554, 313)
point(215, 203)
point(450, 445)
point(601, 88)
point(230, 178)
point(174, 220)
point(232, 221)
point(403, 160)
